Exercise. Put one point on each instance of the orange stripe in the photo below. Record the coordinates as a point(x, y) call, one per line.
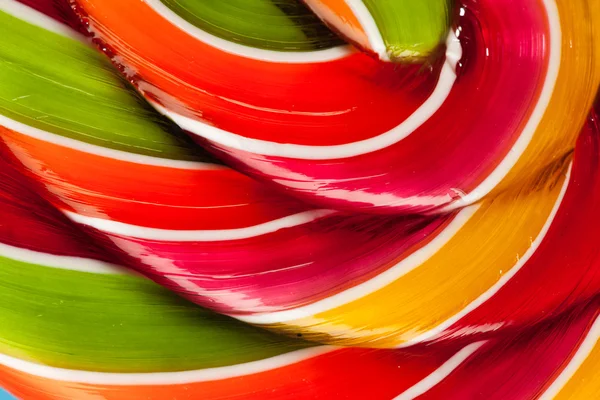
point(147, 195)
point(355, 374)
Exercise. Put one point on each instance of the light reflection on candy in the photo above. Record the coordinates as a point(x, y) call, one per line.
point(240, 249)
point(506, 287)
point(364, 135)
point(65, 303)
point(204, 230)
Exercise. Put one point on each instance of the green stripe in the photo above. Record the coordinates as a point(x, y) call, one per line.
point(411, 26)
point(62, 86)
point(118, 323)
point(283, 25)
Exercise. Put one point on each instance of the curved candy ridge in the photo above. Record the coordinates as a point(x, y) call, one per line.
point(65, 303)
point(361, 138)
point(196, 241)
point(550, 363)
point(238, 248)
point(470, 282)
point(489, 293)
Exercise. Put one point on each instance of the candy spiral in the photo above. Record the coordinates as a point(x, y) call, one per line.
point(440, 206)
point(343, 131)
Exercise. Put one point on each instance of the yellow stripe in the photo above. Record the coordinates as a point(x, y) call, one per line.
point(488, 246)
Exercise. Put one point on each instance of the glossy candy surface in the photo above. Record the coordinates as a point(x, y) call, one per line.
point(444, 215)
point(364, 135)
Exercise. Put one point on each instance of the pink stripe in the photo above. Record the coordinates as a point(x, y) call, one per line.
point(518, 367)
point(448, 155)
point(288, 268)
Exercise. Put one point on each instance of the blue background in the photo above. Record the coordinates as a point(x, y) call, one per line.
point(5, 396)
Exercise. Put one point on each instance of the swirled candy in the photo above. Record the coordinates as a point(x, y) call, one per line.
point(94, 331)
point(478, 278)
point(229, 244)
point(342, 130)
point(112, 166)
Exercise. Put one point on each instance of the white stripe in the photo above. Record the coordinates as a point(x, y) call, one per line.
point(141, 232)
point(305, 152)
point(440, 374)
point(34, 17)
point(364, 17)
point(380, 281)
point(438, 330)
point(582, 353)
point(163, 378)
point(533, 123)
point(59, 262)
point(102, 151)
point(247, 51)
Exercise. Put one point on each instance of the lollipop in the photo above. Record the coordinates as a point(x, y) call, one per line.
point(95, 332)
point(101, 332)
point(241, 249)
point(486, 279)
point(109, 163)
point(67, 306)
